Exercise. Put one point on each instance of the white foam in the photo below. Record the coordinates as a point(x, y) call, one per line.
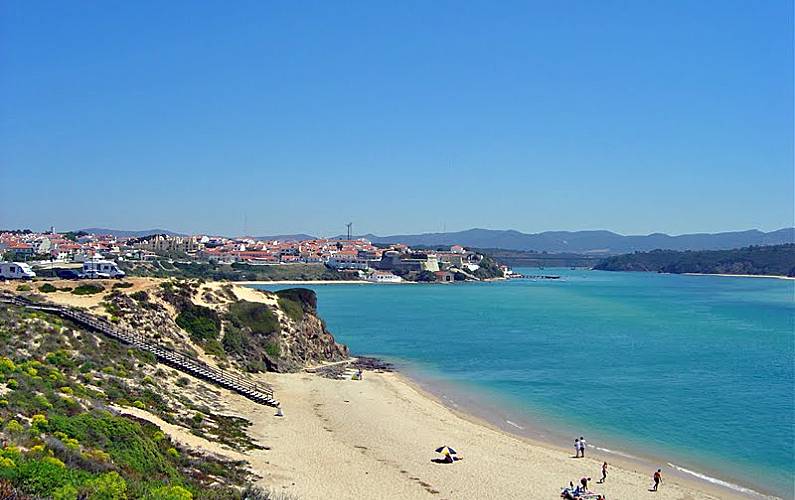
point(720, 482)
point(513, 424)
point(614, 452)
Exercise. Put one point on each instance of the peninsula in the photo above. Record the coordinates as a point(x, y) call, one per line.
point(773, 260)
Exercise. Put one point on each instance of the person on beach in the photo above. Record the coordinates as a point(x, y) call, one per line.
point(604, 473)
point(657, 479)
point(582, 447)
point(576, 448)
point(584, 483)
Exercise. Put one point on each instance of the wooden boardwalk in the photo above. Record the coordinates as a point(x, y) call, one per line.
point(259, 393)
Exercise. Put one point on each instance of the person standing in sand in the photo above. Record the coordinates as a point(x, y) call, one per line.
point(576, 448)
point(657, 479)
point(604, 473)
point(582, 447)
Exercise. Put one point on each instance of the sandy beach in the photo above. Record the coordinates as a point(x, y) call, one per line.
point(375, 438)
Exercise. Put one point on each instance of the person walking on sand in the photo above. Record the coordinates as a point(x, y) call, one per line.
point(604, 473)
point(657, 479)
point(576, 448)
point(582, 447)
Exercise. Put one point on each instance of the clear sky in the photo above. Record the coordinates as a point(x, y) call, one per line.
point(273, 117)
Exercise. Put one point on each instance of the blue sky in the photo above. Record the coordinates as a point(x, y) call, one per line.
point(268, 117)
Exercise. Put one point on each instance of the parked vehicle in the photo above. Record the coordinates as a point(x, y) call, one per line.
point(101, 269)
point(67, 274)
point(16, 271)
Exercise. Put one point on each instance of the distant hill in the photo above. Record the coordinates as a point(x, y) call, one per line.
point(590, 242)
point(120, 233)
point(776, 260)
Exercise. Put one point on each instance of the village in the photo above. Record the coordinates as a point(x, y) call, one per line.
point(350, 258)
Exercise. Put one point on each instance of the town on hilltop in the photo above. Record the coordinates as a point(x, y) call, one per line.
point(216, 257)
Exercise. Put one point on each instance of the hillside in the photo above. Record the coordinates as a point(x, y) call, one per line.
point(83, 416)
point(250, 330)
point(776, 260)
point(77, 414)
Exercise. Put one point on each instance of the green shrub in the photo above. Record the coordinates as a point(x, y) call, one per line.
point(273, 350)
point(123, 284)
point(255, 316)
point(41, 477)
point(214, 347)
point(235, 340)
point(169, 493)
point(14, 427)
point(23, 288)
point(60, 358)
point(291, 308)
point(124, 440)
point(202, 323)
point(140, 296)
point(88, 289)
point(65, 492)
point(47, 288)
point(108, 486)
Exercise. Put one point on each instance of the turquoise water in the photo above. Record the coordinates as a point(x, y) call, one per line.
point(697, 370)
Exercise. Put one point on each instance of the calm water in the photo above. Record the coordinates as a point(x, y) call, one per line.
point(697, 370)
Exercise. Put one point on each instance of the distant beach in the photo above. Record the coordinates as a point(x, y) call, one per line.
point(768, 276)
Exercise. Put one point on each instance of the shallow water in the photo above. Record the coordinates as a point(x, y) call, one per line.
point(695, 369)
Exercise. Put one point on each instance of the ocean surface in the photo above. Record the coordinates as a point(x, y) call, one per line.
point(692, 372)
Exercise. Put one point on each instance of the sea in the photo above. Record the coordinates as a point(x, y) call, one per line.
point(690, 373)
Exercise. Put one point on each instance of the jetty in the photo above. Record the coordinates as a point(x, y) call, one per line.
point(257, 392)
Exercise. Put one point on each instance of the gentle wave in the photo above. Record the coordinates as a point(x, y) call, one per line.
point(614, 452)
point(513, 424)
point(720, 482)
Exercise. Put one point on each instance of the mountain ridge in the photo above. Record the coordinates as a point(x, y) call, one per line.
point(596, 242)
point(600, 242)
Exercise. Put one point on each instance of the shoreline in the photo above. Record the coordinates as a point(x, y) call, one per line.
point(765, 276)
point(375, 438)
point(536, 433)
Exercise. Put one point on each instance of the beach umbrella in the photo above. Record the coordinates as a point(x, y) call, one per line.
point(445, 450)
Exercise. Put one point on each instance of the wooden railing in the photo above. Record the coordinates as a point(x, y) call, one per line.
point(258, 393)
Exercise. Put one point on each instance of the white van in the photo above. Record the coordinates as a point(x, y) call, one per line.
point(16, 271)
point(97, 268)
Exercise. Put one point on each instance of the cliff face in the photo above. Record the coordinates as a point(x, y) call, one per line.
point(255, 330)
